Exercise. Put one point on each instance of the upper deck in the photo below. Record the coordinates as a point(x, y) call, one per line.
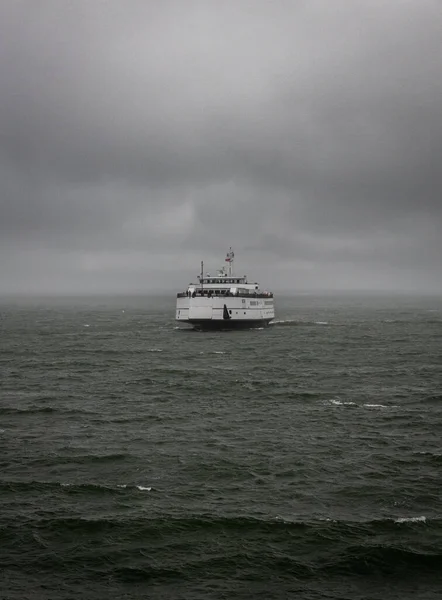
point(225, 283)
point(235, 292)
point(221, 279)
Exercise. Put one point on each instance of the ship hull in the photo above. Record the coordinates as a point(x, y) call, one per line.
point(230, 324)
point(225, 313)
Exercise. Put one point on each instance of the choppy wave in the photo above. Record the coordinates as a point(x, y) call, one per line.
point(35, 410)
point(433, 399)
point(338, 402)
point(69, 487)
point(295, 322)
point(432, 456)
point(305, 458)
point(421, 519)
point(30, 410)
point(351, 549)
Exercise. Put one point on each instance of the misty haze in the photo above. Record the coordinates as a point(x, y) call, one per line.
point(140, 137)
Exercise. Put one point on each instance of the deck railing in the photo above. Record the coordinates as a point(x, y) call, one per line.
point(229, 295)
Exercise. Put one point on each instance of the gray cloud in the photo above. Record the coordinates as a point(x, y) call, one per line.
point(139, 137)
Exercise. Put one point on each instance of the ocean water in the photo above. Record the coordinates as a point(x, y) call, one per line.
point(140, 460)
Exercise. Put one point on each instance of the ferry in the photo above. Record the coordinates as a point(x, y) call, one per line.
point(224, 301)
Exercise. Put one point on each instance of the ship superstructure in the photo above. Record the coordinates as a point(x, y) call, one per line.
point(224, 301)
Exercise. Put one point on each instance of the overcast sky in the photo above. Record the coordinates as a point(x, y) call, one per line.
point(140, 137)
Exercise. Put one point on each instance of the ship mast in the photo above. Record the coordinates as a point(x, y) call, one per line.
point(229, 258)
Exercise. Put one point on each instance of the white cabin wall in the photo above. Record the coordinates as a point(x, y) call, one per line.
point(202, 307)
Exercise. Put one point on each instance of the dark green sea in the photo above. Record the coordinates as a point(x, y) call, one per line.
point(140, 460)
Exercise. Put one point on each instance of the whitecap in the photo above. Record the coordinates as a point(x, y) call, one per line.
point(342, 403)
point(277, 321)
point(421, 519)
point(154, 350)
point(143, 489)
point(321, 322)
point(428, 453)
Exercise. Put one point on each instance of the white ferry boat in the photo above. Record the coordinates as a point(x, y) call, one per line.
point(224, 301)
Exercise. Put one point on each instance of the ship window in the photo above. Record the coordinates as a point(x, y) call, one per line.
point(230, 312)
